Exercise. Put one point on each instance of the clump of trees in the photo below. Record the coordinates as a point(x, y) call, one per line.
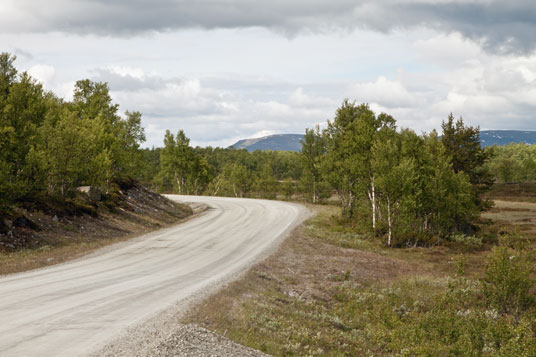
point(186, 170)
point(410, 188)
point(180, 168)
point(49, 146)
point(513, 162)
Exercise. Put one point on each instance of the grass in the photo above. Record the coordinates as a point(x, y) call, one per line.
point(518, 192)
point(333, 292)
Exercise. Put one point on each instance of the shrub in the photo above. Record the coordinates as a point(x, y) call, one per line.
point(469, 240)
point(508, 281)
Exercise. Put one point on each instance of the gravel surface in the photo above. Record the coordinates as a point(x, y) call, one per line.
point(164, 335)
point(192, 340)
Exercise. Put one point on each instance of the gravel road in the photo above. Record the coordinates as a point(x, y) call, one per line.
point(118, 297)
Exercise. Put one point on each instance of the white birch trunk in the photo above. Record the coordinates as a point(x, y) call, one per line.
point(389, 222)
point(373, 196)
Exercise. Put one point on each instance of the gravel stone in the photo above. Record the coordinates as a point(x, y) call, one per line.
point(164, 336)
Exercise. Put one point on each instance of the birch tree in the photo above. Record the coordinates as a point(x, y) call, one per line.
point(312, 153)
point(350, 137)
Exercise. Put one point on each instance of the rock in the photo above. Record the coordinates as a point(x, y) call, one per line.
point(25, 222)
point(92, 192)
point(5, 226)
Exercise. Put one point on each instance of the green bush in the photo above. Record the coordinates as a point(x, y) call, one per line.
point(508, 281)
point(469, 240)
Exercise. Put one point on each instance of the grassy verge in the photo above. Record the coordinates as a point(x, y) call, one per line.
point(330, 291)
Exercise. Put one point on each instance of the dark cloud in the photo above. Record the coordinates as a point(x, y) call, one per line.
point(22, 53)
point(501, 26)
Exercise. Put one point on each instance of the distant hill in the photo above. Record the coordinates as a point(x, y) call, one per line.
point(279, 142)
point(291, 142)
point(505, 137)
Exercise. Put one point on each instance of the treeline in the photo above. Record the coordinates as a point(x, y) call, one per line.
point(49, 146)
point(513, 162)
point(178, 167)
point(409, 188)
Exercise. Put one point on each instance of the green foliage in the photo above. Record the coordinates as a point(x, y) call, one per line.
point(239, 178)
point(407, 318)
point(8, 73)
point(412, 189)
point(63, 148)
point(313, 150)
point(395, 181)
point(48, 147)
point(235, 180)
point(470, 240)
point(508, 282)
point(462, 144)
point(513, 162)
point(287, 188)
point(347, 163)
point(186, 170)
point(231, 172)
point(266, 184)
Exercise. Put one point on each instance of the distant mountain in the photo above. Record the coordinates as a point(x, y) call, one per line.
point(291, 142)
point(279, 142)
point(505, 137)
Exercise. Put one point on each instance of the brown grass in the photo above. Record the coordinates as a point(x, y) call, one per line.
point(518, 192)
point(280, 305)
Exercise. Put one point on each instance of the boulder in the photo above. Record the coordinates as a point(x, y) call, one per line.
point(92, 192)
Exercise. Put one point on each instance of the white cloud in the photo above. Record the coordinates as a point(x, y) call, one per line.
point(385, 92)
point(43, 73)
point(125, 71)
point(447, 50)
point(222, 85)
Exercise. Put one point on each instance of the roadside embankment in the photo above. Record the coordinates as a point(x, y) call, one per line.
point(35, 235)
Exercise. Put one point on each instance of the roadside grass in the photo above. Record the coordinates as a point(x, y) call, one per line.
point(438, 260)
point(333, 292)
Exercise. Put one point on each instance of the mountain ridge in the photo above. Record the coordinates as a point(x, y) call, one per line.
point(276, 142)
point(291, 142)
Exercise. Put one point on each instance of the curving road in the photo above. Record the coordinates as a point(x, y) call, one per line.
point(75, 308)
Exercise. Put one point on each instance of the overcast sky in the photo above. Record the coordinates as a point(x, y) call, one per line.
point(225, 70)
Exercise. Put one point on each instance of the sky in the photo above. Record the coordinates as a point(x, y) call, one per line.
point(225, 70)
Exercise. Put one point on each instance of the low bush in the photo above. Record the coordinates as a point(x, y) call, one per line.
point(508, 284)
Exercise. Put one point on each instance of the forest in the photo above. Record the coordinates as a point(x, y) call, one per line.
point(404, 188)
